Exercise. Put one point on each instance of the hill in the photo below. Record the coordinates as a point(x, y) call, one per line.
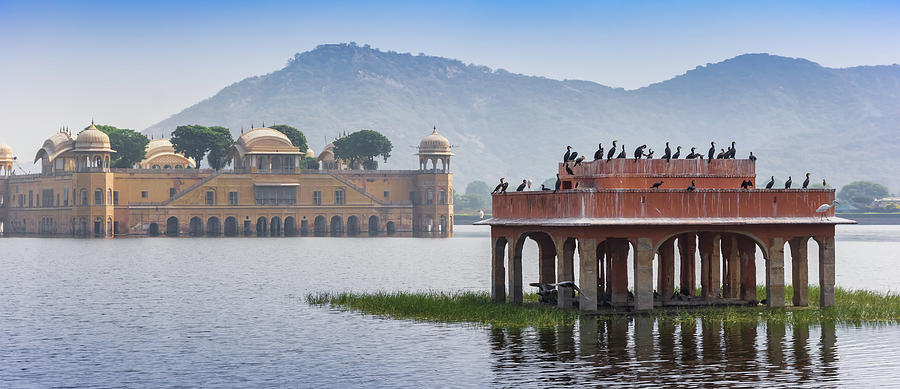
point(796, 115)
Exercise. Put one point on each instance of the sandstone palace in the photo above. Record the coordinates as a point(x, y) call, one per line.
point(264, 194)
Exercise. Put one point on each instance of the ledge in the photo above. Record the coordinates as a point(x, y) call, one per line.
point(587, 222)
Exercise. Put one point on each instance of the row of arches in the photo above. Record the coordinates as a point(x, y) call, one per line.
point(274, 226)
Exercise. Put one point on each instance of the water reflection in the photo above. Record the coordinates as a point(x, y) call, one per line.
point(643, 351)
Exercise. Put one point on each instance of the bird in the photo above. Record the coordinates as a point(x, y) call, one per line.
point(572, 157)
point(567, 154)
point(667, 153)
point(824, 184)
point(656, 185)
point(746, 184)
point(639, 152)
point(732, 151)
point(612, 151)
point(498, 187)
point(569, 170)
point(622, 154)
point(692, 187)
point(823, 209)
point(503, 189)
point(649, 154)
point(806, 181)
point(521, 186)
point(529, 183)
point(721, 154)
point(712, 151)
point(693, 154)
point(771, 183)
point(544, 187)
point(558, 183)
point(599, 153)
point(481, 214)
point(578, 161)
point(787, 184)
point(751, 157)
point(677, 153)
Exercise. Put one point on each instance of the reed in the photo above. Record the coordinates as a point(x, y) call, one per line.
point(852, 307)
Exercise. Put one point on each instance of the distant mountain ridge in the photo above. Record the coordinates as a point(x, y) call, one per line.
point(797, 116)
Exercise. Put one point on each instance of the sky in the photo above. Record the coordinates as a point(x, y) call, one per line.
point(132, 64)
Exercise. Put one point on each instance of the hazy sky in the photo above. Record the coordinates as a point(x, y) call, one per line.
point(131, 64)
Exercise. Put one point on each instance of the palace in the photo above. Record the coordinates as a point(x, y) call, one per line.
point(265, 194)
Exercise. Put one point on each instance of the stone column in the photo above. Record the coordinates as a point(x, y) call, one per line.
point(709, 264)
point(800, 271)
point(666, 274)
point(687, 246)
point(514, 269)
point(747, 248)
point(565, 256)
point(547, 258)
point(643, 275)
point(498, 272)
point(731, 265)
point(826, 271)
point(587, 267)
point(618, 274)
point(775, 274)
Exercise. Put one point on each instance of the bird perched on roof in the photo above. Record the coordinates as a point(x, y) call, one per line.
point(692, 187)
point(667, 153)
point(677, 153)
point(656, 185)
point(771, 183)
point(567, 154)
point(544, 187)
point(521, 186)
point(731, 151)
point(721, 154)
point(578, 161)
point(712, 151)
point(599, 153)
point(569, 170)
point(572, 157)
point(558, 183)
point(751, 157)
point(499, 186)
point(693, 154)
point(746, 184)
point(612, 151)
point(787, 184)
point(505, 186)
point(823, 209)
point(806, 181)
point(622, 154)
point(639, 152)
point(649, 154)
point(824, 184)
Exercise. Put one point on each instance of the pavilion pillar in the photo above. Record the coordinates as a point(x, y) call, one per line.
point(514, 268)
point(643, 274)
point(547, 258)
point(775, 274)
point(588, 273)
point(731, 266)
point(687, 246)
point(618, 274)
point(666, 275)
point(826, 272)
point(565, 254)
point(602, 265)
point(800, 271)
point(498, 271)
point(747, 248)
point(709, 264)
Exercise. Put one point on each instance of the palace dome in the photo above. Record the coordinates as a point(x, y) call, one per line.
point(6, 153)
point(264, 140)
point(310, 153)
point(435, 143)
point(92, 139)
point(55, 146)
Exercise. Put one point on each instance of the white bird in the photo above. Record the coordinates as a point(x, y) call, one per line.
point(480, 214)
point(825, 207)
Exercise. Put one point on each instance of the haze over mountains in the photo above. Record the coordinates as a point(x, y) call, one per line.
point(795, 115)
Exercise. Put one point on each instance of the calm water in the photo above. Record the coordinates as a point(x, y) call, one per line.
point(230, 312)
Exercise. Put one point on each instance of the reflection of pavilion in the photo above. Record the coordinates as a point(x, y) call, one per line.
point(605, 211)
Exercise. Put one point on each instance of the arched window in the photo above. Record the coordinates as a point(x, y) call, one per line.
point(155, 166)
point(84, 199)
point(98, 197)
point(429, 197)
point(167, 167)
point(109, 199)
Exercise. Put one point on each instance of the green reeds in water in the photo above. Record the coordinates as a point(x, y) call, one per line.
point(853, 307)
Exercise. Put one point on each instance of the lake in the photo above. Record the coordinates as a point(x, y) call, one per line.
point(227, 312)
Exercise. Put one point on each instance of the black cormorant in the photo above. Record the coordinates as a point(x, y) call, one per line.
point(731, 151)
point(622, 153)
point(578, 161)
point(656, 185)
point(771, 183)
point(787, 184)
point(544, 187)
point(639, 152)
point(806, 181)
point(721, 154)
point(558, 183)
point(712, 151)
point(567, 154)
point(498, 187)
point(692, 187)
point(572, 157)
point(693, 154)
point(667, 153)
point(677, 153)
point(521, 186)
point(503, 189)
point(751, 157)
point(599, 153)
point(649, 154)
point(569, 170)
point(612, 151)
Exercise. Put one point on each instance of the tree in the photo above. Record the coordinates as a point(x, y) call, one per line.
point(309, 163)
point(192, 141)
point(362, 146)
point(130, 146)
point(862, 194)
point(478, 187)
point(295, 135)
point(220, 141)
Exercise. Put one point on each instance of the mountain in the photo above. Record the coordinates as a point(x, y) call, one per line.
point(795, 115)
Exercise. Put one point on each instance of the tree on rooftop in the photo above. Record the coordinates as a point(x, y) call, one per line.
point(192, 140)
point(129, 145)
point(220, 141)
point(295, 135)
point(362, 146)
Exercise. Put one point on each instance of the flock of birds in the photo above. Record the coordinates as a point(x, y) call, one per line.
point(576, 160)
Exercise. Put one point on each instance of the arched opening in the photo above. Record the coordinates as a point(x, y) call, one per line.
point(275, 226)
point(337, 226)
point(290, 226)
point(248, 227)
point(373, 225)
point(353, 226)
point(439, 165)
point(231, 228)
point(545, 263)
point(389, 228)
point(429, 224)
point(442, 225)
point(154, 229)
point(196, 226)
point(320, 227)
point(498, 270)
point(213, 226)
point(276, 165)
point(262, 226)
point(304, 227)
point(172, 226)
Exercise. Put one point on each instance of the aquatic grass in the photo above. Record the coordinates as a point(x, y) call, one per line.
point(852, 307)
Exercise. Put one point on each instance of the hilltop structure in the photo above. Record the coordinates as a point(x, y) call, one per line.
point(265, 194)
point(605, 210)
